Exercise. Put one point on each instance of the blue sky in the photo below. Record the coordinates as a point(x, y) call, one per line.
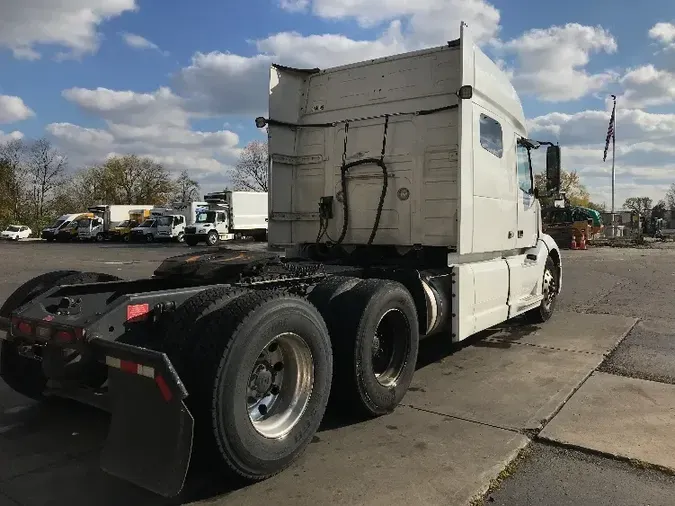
point(182, 81)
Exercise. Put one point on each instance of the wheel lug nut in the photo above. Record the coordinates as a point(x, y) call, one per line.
point(263, 409)
point(274, 390)
point(273, 347)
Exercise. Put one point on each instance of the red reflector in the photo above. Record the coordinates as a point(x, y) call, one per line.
point(64, 336)
point(164, 388)
point(127, 366)
point(137, 310)
point(25, 328)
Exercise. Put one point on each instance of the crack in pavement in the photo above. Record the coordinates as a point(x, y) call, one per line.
point(461, 418)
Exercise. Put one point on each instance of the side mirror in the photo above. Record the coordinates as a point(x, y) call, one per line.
point(553, 168)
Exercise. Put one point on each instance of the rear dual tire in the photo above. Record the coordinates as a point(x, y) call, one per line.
point(260, 378)
point(375, 336)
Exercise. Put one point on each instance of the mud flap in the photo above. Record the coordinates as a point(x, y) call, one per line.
point(151, 431)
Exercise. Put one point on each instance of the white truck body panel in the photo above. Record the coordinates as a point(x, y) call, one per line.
point(458, 178)
point(248, 210)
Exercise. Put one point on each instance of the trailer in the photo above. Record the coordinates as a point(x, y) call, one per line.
point(230, 215)
point(382, 176)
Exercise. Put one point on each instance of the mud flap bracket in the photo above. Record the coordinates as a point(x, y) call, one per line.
point(151, 430)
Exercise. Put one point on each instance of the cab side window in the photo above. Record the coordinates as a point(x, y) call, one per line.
point(491, 135)
point(524, 171)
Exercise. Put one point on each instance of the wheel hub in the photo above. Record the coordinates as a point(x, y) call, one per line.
point(280, 385)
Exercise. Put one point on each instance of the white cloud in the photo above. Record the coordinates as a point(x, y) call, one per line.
point(663, 33)
point(13, 109)
point(645, 152)
point(429, 22)
point(647, 86)
point(225, 83)
point(161, 107)
point(68, 24)
point(15, 135)
point(138, 42)
point(552, 62)
point(294, 5)
point(154, 124)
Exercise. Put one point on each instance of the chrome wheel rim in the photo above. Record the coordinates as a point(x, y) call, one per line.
point(549, 288)
point(280, 385)
point(390, 347)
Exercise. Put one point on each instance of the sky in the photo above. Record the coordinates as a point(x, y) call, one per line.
point(182, 81)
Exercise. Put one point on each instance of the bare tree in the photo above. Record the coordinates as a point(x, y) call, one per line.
point(251, 172)
point(639, 205)
point(187, 189)
point(670, 197)
point(46, 167)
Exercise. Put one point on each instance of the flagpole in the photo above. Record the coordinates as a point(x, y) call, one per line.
point(613, 158)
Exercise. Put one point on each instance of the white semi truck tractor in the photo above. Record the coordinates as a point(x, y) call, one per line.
point(401, 188)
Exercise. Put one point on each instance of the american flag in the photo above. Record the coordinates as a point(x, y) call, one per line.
point(610, 130)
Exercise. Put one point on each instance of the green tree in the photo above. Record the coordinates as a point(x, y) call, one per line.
point(127, 179)
point(570, 184)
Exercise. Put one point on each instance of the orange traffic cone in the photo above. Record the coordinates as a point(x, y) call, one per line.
point(573, 244)
point(582, 242)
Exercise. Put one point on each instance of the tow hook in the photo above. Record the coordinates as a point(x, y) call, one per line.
point(28, 351)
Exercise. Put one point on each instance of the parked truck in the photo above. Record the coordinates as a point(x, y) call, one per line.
point(180, 215)
point(62, 223)
point(386, 244)
point(122, 231)
point(106, 218)
point(230, 215)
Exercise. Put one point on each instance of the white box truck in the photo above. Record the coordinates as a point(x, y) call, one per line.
point(402, 189)
point(106, 217)
point(230, 215)
point(172, 222)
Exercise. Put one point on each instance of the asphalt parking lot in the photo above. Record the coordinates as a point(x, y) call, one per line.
point(572, 402)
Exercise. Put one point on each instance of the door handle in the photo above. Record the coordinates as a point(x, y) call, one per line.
point(520, 234)
point(510, 234)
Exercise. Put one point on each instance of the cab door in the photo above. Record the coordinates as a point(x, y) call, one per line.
point(527, 231)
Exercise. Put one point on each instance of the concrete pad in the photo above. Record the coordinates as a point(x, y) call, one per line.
point(76, 483)
point(590, 333)
point(648, 352)
point(6, 501)
point(501, 383)
point(627, 417)
point(409, 457)
point(43, 435)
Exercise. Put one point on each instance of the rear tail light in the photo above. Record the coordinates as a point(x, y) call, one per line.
point(24, 328)
point(45, 332)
